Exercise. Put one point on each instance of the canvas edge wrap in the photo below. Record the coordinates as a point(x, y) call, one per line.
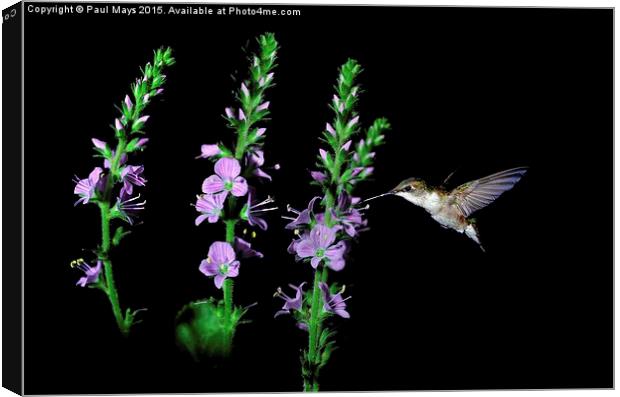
point(12, 286)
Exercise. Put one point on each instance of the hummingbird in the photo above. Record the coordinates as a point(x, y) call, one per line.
point(452, 209)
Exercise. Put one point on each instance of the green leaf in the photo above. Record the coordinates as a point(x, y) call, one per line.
point(119, 233)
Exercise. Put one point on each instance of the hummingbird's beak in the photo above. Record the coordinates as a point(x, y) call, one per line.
point(376, 197)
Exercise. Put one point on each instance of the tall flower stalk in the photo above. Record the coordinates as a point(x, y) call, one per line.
point(326, 228)
point(229, 197)
point(113, 186)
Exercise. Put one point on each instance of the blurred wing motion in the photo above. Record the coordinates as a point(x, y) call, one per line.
point(474, 195)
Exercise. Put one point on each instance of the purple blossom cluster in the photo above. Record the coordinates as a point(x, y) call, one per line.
point(114, 185)
point(229, 194)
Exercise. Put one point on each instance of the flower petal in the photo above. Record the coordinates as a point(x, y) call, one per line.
point(213, 184)
point(200, 219)
point(322, 236)
point(314, 262)
point(305, 248)
point(209, 151)
point(219, 280)
point(240, 187)
point(227, 168)
point(233, 269)
point(207, 268)
point(221, 252)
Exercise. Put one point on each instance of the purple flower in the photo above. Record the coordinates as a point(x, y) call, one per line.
point(226, 179)
point(252, 208)
point(323, 154)
point(347, 145)
point(99, 144)
point(210, 207)
point(220, 263)
point(290, 303)
point(334, 303)
point(319, 245)
point(330, 129)
point(91, 273)
point(318, 176)
point(303, 218)
point(244, 249)
point(88, 188)
point(128, 102)
point(117, 124)
point(266, 79)
point(245, 90)
point(349, 217)
point(127, 207)
point(262, 106)
point(353, 121)
point(260, 132)
point(256, 159)
point(207, 151)
point(229, 113)
point(141, 142)
point(131, 175)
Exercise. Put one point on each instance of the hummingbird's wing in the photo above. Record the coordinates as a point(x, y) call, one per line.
point(474, 195)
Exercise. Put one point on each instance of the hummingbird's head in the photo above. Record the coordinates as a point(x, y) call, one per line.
point(411, 186)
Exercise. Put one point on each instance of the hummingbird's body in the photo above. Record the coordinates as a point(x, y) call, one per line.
point(451, 209)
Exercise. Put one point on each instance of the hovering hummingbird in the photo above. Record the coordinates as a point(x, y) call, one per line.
point(451, 209)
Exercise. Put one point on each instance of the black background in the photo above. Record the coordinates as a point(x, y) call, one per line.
point(476, 89)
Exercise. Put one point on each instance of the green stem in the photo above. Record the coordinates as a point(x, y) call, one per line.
point(314, 316)
point(227, 287)
point(110, 287)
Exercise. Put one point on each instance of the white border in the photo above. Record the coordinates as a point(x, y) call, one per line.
point(547, 3)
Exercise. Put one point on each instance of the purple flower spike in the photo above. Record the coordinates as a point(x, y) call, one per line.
point(229, 113)
point(99, 144)
point(241, 115)
point(334, 303)
point(210, 207)
point(319, 245)
point(330, 129)
point(226, 179)
point(207, 151)
point(87, 188)
point(303, 218)
point(262, 106)
point(91, 273)
point(117, 124)
point(128, 102)
point(244, 249)
point(220, 263)
point(290, 303)
point(346, 146)
point(131, 176)
point(260, 132)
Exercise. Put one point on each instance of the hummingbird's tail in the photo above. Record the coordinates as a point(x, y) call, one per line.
point(472, 232)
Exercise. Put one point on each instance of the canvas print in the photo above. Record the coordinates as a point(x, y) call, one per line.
point(296, 198)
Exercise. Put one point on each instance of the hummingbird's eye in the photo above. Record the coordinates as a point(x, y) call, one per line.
point(407, 188)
